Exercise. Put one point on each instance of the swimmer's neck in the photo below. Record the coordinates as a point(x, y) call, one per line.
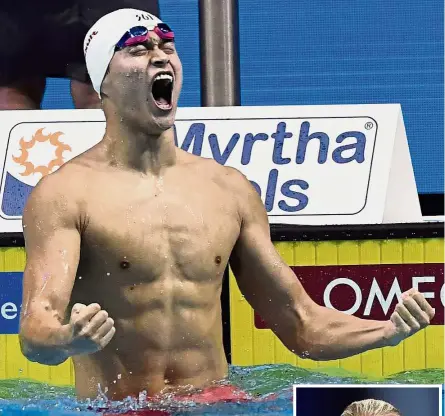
point(139, 150)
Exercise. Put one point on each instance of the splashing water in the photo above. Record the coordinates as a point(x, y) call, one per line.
point(270, 387)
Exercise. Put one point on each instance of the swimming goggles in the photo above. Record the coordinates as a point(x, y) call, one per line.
point(140, 34)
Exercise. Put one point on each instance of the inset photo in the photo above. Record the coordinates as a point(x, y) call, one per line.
point(368, 400)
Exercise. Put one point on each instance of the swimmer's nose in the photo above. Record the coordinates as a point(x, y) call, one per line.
point(160, 60)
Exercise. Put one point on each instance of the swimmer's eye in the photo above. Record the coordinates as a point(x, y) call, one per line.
point(138, 49)
point(169, 47)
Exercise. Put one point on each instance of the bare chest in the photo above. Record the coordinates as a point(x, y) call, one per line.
point(158, 230)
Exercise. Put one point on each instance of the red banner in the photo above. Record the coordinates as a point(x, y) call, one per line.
point(370, 291)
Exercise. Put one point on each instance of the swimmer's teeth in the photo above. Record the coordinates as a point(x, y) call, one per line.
point(162, 89)
point(164, 76)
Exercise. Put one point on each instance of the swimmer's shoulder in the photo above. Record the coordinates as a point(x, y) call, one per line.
point(76, 173)
point(232, 179)
point(234, 183)
point(198, 164)
point(241, 190)
point(225, 176)
point(59, 192)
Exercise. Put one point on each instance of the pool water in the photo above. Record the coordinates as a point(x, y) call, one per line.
point(270, 385)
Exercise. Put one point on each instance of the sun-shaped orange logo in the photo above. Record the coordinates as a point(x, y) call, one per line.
point(53, 139)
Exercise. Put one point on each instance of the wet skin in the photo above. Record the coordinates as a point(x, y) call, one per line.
point(154, 260)
point(126, 249)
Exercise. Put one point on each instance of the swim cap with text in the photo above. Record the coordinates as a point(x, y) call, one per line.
point(101, 39)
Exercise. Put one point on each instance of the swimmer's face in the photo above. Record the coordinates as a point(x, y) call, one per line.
point(144, 81)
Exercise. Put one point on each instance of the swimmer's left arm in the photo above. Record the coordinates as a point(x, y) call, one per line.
point(304, 327)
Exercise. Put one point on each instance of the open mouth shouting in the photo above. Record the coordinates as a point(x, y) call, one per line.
point(162, 89)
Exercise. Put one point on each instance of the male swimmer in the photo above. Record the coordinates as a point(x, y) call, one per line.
point(371, 407)
point(127, 244)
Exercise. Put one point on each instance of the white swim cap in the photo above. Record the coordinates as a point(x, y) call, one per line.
point(101, 39)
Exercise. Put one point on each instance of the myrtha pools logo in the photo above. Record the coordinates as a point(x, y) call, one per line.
point(31, 154)
point(35, 150)
point(46, 168)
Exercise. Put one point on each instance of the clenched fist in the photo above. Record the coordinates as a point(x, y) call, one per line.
point(89, 330)
point(411, 315)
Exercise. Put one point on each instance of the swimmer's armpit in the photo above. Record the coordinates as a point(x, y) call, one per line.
point(52, 243)
point(273, 290)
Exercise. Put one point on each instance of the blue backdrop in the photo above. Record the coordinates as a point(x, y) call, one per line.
point(311, 52)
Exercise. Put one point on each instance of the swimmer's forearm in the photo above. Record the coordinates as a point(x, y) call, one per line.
point(334, 335)
point(44, 344)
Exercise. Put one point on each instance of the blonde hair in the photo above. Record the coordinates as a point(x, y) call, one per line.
point(371, 407)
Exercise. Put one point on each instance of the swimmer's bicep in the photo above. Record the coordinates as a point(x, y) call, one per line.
point(270, 286)
point(263, 277)
point(52, 244)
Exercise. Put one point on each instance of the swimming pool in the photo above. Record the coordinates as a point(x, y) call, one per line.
point(270, 385)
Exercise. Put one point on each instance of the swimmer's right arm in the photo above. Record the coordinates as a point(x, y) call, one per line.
point(52, 240)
